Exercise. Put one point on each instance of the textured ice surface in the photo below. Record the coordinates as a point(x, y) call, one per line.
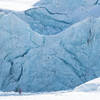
point(40, 49)
point(39, 63)
point(58, 14)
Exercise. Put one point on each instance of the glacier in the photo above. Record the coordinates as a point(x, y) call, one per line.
point(44, 50)
point(57, 15)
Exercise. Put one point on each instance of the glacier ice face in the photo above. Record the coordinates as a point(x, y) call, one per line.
point(65, 5)
point(38, 63)
point(57, 16)
point(48, 26)
point(35, 58)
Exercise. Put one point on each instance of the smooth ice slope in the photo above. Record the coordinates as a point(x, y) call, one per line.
point(91, 86)
point(38, 63)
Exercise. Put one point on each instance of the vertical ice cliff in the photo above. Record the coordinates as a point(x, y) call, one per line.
point(46, 48)
point(37, 63)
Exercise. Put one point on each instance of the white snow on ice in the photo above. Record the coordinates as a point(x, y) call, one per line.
point(91, 86)
point(58, 96)
point(74, 95)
